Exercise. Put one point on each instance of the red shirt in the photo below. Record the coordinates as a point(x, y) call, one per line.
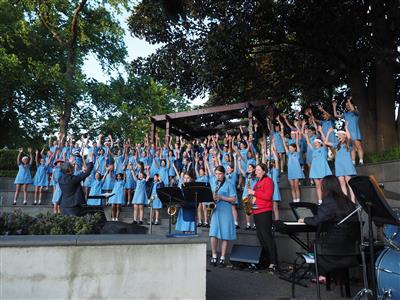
point(264, 189)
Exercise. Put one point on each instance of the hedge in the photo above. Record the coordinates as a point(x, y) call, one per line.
point(20, 223)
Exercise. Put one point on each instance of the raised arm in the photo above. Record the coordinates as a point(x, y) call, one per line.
point(284, 116)
point(321, 132)
point(240, 167)
point(334, 107)
point(326, 140)
point(307, 138)
point(284, 142)
point(37, 158)
point(351, 105)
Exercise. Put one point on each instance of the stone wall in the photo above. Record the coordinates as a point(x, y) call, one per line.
point(102, 267)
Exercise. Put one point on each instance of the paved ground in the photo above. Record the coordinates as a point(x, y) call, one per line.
point(229, 283)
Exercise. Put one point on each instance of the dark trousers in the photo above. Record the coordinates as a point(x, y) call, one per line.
point(71, 211)
point(263, 223)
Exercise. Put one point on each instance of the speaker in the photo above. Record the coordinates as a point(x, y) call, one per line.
point(246, 254)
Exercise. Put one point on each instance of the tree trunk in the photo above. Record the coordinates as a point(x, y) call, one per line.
point(371, 113)
point(367, 119)
point(385, 95)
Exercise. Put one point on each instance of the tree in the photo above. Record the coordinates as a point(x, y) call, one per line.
point(281, 50)
point(78, 28)
point(128, 104)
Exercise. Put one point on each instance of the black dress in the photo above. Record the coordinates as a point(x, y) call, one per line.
point(337, 246)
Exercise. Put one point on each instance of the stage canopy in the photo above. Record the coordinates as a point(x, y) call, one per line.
point(202, 122)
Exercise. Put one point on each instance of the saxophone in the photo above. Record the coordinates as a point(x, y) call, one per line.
point(211, 206)
point(247, 201)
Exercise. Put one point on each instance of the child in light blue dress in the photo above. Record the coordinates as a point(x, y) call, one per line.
point(130, 184)
point(24, 177)
point(40, 179)
point(118, 198)
point(344, 168)
point(57, 174)
point(295, 173)
point(319, 164)
point(186, 215)
point(155, 200)
point(96, 189)
point(140, 197)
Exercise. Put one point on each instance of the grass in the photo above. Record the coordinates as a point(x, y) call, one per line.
point(388, 155)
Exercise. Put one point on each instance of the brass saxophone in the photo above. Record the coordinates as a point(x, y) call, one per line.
point(211, 206)
point(247, 202)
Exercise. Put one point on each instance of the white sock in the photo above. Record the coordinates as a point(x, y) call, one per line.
point(319, 201)
point(354, 162)
point(223, 257)
point(215, 255)
point(236, 223)
point(361, 161)
point(248, 224)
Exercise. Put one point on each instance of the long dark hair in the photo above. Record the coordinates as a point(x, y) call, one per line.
point(264, 167)
point(331, 188)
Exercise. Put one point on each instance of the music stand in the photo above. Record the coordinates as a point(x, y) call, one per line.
point(195, 193)
point(102, 197)
point(373, 201)
point(171, 196)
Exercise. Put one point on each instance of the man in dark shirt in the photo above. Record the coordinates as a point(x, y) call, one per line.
point(72, 193)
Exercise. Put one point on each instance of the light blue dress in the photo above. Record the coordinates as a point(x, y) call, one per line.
point(343, 162)
point(233, 179)
point(163, 172)
point(274, 174)
point(140, 192)
point(319, 165)
point(96, 189)
point(119, 164)
point(101, 164)
point(24, 174)
point(354, 129)
point(309, 154)
point(326, 124)
point(171, 171)
point(130, 183)
point(243, 162)
point(109, 181)
point(40, 178)
point(294, 168)
point(222, 224)
point(186, 216)
point(278, 141)
point(156, 201)
point(57, 174)
point(153, 167)
point(203, 178)
point(118, 189)
point(253, 182)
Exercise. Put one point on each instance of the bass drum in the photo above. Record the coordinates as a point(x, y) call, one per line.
point(388, 274)
point(392, 232)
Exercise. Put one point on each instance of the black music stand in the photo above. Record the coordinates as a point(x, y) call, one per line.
point(102, 197)
point(195, 193)
point(373, 201)
point(171, 196)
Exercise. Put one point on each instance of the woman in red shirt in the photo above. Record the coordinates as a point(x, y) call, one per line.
point(263, 191)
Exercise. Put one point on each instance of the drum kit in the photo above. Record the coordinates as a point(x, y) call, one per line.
point(385, 280)
point(387, 265)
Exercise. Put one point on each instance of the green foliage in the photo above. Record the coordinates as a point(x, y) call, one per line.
point(128, 105)
point(8, 159)
point(392, 154)
point(17, 223)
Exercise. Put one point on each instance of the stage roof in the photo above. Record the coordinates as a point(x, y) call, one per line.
point(202, 122)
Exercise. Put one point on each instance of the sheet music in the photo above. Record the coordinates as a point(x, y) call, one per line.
point(304, 212)
point(293, 223)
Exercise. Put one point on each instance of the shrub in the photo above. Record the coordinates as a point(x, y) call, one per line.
point(19, 223)
point(391, 154)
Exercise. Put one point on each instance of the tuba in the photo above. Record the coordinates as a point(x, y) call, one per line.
point(247, 201)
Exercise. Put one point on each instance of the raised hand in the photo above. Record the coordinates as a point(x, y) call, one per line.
point(30, 150)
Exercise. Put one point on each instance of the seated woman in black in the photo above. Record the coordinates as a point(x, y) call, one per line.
point(337, 246)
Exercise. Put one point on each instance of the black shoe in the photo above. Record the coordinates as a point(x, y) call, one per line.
point(134, 222)
point(254, 227)
point(35, 203)
point(25, 203)
point(213, 261)
point(15, 203)
point(39, 203)
point(206, 225)
point(140, 222)
point(272, 270)
point(199, 224)
point(156, 223)
point(248, 227)
point(237, 227)
point(221, 263)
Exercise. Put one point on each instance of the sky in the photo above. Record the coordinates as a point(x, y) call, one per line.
point(135, 48)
